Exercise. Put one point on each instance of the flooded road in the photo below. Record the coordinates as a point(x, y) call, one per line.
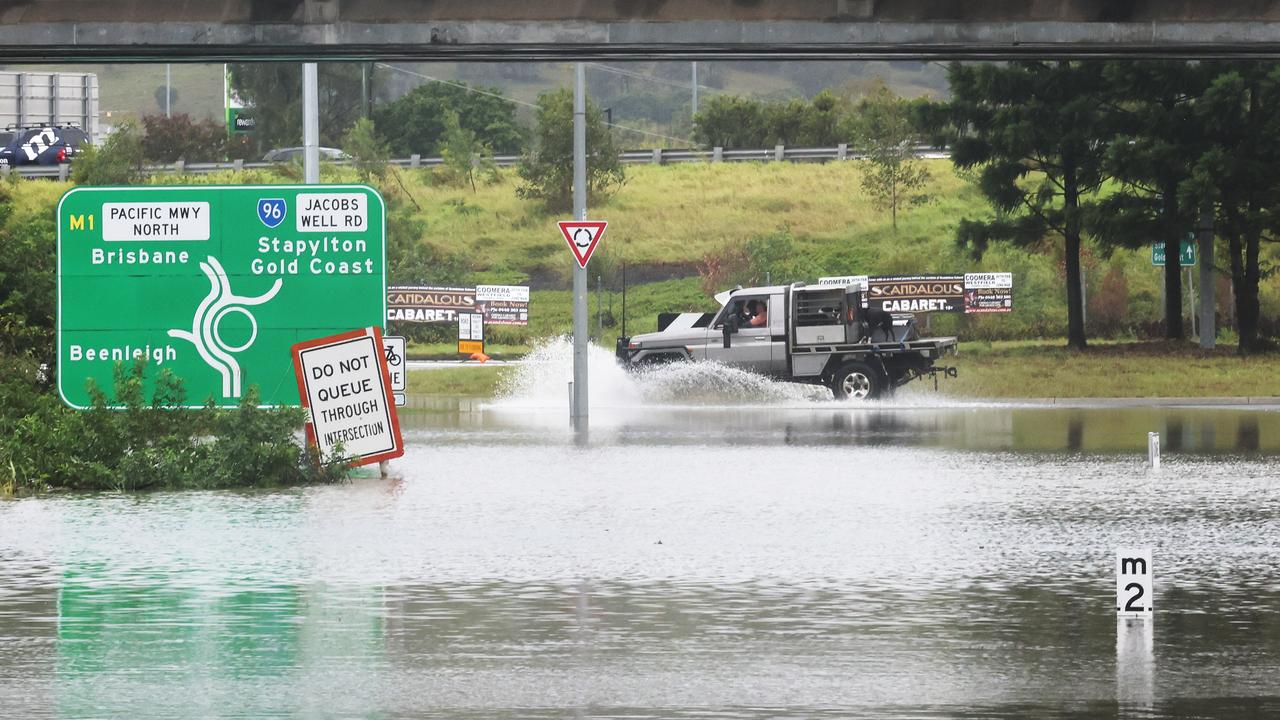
point(690, 560)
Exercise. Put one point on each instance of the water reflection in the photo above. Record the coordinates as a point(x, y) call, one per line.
point(978, 426)
point(704, 562)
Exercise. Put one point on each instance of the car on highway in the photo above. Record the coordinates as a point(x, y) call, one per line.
point(44, 145)
point(290, 154)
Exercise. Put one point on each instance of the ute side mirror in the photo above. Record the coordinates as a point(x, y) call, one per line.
point(729, 328)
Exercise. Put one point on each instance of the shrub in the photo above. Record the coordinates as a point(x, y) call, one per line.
point(169, 139)
point(117, 161)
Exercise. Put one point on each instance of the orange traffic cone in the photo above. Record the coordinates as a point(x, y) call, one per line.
point(480, 356)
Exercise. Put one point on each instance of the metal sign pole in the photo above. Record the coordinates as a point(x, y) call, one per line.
point(579, 410)
point(310, 125)
point(1208, 303)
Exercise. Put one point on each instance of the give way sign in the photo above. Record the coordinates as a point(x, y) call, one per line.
point(582, 236)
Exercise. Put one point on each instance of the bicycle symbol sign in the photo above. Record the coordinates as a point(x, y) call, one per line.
point(393, 346)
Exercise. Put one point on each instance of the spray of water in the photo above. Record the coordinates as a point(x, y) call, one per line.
point(542, 381)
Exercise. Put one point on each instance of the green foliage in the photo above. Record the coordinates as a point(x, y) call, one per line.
point(1038, 134)
point(417, 121)
point(465, 156)
point(884, 130)
point(152, 443)
point(169, 139)
point(117, 161)
point(369, 153)
point(274, 91)
point(548, 172)
point(768, 258)
point(27, 282)
point(732, 121)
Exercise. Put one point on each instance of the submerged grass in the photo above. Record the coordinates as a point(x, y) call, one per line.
point(1022, 369)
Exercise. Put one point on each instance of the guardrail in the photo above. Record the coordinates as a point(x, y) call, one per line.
point(656, 156)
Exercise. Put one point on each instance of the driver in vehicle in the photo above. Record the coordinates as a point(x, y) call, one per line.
point(759, 313)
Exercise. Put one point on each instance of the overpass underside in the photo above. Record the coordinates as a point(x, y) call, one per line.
point(506, 30)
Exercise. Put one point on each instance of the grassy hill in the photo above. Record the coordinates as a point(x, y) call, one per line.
point(666, 219)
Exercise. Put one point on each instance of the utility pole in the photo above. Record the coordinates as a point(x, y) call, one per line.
point(168, 92)
point(579, 410)
point(695, 88)
point(310, 125)
point(364, 90)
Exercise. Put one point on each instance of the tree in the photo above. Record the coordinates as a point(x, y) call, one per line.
point(415, 123)
point(1036, 132)
point(368, 151)
point(1152, 112)
point(1238, 177)
point(464, 155)
point(548, 171)
point(884, 131)
point(169, 139)
point(274, 91)
point(730, 121)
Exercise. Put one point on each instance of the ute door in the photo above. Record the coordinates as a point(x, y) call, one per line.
point(751, 348)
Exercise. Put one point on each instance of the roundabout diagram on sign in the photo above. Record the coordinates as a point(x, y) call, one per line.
point(206, 325)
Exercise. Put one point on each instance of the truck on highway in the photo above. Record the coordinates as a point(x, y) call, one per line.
point(818, 334)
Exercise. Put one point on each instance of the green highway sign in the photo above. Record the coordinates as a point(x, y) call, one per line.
point(1188, 256)
point(214, 283)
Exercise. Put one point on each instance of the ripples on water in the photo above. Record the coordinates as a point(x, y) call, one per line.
point(732, 562)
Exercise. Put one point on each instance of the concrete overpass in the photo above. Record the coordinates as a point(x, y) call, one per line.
point(212, 30)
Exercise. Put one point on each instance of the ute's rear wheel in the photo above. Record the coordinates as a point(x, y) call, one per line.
point(857, 381)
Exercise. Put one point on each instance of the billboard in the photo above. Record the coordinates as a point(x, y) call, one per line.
point(499, 304)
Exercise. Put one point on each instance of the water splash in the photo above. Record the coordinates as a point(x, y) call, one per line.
point(542, 381)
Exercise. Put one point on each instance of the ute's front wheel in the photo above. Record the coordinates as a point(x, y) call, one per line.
point(856, 381)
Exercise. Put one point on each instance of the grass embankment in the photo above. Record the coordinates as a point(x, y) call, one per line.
point(1030, 369)
point(1106, 370)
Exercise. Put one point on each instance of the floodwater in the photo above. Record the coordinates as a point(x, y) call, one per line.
point(717, 547)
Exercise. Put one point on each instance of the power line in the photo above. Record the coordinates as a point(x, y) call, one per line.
point(478, 91)
point(650, 78)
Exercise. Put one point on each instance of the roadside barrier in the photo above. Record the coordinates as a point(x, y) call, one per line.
point(655, 156)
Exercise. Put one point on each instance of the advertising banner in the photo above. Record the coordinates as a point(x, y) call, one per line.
point(428, 303)
point(499, 304)
point(917, 293)
point(988, 292)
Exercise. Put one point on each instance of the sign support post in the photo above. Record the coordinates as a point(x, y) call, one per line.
point(310, 125)
point(1208, 301)
point(579, 410)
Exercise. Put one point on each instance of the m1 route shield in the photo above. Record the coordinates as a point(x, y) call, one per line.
point(215, 284)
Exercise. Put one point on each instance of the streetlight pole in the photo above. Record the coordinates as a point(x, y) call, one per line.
point(579, 410)
point(310, 124)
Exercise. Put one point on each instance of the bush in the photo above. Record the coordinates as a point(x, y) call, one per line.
point(117, 161)
point(169, 139)
point(770, 258)
point(416, 122)
point(149, 444)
